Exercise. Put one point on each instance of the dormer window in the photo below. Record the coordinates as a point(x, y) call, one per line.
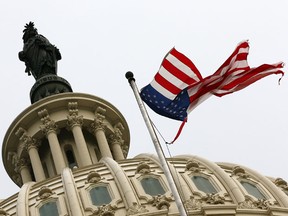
point(204, 184)
point(152, 186)
point(49, 209)
point(100, 195)
point(252, 189)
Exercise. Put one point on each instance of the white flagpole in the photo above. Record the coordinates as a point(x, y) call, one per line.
point(129, 75)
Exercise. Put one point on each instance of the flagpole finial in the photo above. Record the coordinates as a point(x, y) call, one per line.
point(130, 76)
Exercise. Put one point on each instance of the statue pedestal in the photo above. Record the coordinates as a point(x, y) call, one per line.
point(48, 85)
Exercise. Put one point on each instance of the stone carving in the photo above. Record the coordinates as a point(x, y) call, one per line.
point(239, 171)
point(99, 119)
point(44, 193)
point(105, 210)
point(249, 203)
point(94, 177)
point(193, 166)
point(73, 117)
point(39, 55)
point(116, 137)
point(143, 168)
point(136, 209)
point(214, 199)
point(48, 125)
point(281, 183)
point(160, 202)
point(193, 204)
point(28, 141)
point(21, 163)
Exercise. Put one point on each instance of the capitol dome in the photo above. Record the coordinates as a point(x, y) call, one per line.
point(67, 182)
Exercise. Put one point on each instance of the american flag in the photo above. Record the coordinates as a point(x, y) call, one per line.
point(178, 86)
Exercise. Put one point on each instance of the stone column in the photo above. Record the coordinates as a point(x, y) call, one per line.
point(31, 146)
point(22, 167)
point(75, 123)
point(98, 127)
point(117, 142)
point(49, 128)
point(32, 149)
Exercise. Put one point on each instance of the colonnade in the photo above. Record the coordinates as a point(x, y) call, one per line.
point(109, 146)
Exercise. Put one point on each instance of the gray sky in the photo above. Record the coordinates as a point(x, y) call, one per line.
point(107, 38)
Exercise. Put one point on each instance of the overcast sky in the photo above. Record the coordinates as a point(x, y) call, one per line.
point(101, 40)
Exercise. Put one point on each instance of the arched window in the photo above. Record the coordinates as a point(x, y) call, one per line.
point(100, 195)
point(49, 209)
point(252, 189)
point(203, 184)
point(152, 186)
point(70, 157)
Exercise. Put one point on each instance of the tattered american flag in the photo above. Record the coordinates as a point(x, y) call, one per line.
point(178, 87)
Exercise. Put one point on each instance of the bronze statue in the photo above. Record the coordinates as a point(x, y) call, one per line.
point(39, 55)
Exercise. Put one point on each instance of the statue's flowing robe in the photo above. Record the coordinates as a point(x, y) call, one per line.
point(40, 56)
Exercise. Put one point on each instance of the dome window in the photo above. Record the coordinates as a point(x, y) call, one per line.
point(100, 195)
point(204, 184)
point(49, 209)
point(252, 189)
point(152, 186)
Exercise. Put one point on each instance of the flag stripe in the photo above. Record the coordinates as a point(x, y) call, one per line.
point(186, 61)
point(178, 87)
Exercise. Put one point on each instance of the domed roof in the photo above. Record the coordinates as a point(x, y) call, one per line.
point(138, 186)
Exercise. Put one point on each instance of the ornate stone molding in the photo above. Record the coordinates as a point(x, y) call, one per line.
point(143, 168)
point(136, 209)
point(209, 199)
point(48, 125)
point(239, 171)
point(73, 118)
point(99, 120)
point(160, 202)
point(93, 177)
point(214, 199)
point(250, 203)
point(105, 210)
point(281, 183)
point(44, 193)
point(193, 204)
point(193, 166)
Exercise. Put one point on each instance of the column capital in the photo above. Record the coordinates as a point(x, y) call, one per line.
point(48, 125)
point(28, 141)
point(74, 118)
point(21, 163)
point(116, 137)
point(99, 120)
